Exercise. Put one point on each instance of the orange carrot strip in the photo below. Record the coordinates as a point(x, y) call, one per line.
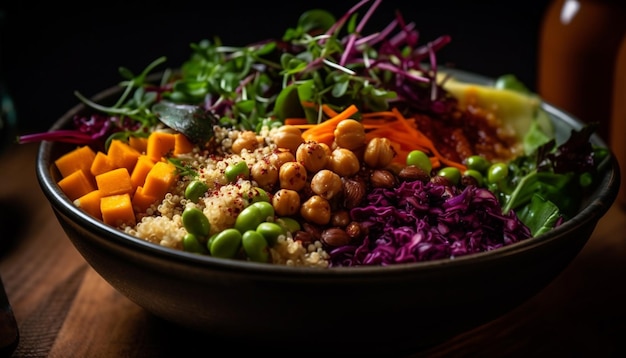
point(295, 121)
point(329, 125)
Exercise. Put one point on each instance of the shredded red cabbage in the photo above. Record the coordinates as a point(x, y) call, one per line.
point(427, 221)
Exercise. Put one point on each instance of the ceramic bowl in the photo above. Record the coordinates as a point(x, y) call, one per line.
point(392, 309)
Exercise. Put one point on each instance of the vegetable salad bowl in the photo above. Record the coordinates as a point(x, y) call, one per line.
point(397, 308)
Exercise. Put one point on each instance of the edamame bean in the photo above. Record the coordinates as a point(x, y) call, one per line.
point(248, 219)
point(420, 160)
point(475, 174)
point(478, 163)
point(497, 172)
point(270, 231)
point(191, 244)
point(235, 170)
point(196, 222)
point(195, 190)
point(290, 224)
point(226, 244)
point(451, 173)
point(260, 195)
point(266, 209)
point(255, 246)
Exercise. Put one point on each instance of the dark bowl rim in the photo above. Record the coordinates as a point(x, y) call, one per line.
point(603, 198)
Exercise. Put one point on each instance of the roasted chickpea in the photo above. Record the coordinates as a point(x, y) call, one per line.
point(245, 140)
point(281, 156)
point(344, 162)
point(326, 184)
point(264, 173)
point(292, 175)
point(316, 210)
point(288, 137)
point(312, 155)
point(286, 202)
point(379, 153)
point(350, 134)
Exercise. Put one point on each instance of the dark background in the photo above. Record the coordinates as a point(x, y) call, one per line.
point(48, 53)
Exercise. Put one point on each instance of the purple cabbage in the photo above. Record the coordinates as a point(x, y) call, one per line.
point(420, 221)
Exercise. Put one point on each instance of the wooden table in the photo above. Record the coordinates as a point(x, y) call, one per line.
point(65, 309)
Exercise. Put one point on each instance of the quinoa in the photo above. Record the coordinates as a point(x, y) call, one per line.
point(162, 223)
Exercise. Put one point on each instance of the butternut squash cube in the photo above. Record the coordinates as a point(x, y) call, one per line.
point(122, 155)
point(79, 158)
point(76, 184)
point(114, 182)
point(101, 164)
point(160, 144)
point(140, 172)
point(141, 202)
point(182, 144)
point(139, 143)
point(117, 210)
point(159, 179)
point(90, 203)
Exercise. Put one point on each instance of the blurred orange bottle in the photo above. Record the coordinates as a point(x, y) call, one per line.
point(618, 119)
point(578, 44)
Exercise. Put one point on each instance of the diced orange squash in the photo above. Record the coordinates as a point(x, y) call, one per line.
point(139, 143)
point(76, 184)
point(90, 203)
point(160, 144)
point(159, 179)
point(101, 164)
point(117, 210)
point(182, 144)
point(139, 173)
point(114, 182)
point(122, 155)
point(79, 158)
point(142, 202)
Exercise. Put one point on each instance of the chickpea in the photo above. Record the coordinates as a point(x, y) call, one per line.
point(245, 140)
point(288, 137)
point(264, 173)
point(326, 184)
point(350, 134)
point(292, 175)
point(316, 210)
point(344, 162)
point(379, 153)
point(281, 156)
point(286, 202)
point(312, 155)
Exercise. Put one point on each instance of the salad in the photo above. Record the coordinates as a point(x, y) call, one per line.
point(325, 147)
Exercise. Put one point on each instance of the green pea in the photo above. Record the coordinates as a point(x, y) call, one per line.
point(478, 163)
point(235, 170)
point(260, 195)
point(420, 160)
point(451, 173)
point(290, 224)
point(196, 222)
point(474, 174)
point(249, 218)
point(270, 231)
point(255, 246)
point(585, 179)
point(191, 244)
point(226, 244)
point(195, 190)
point(266, 209)
point(497, 172)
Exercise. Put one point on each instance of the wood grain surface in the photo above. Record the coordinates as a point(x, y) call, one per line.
point(63, 308)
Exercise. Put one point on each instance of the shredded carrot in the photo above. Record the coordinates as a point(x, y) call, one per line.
point(296, 121)
point(329, 125)
point(403, 132)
